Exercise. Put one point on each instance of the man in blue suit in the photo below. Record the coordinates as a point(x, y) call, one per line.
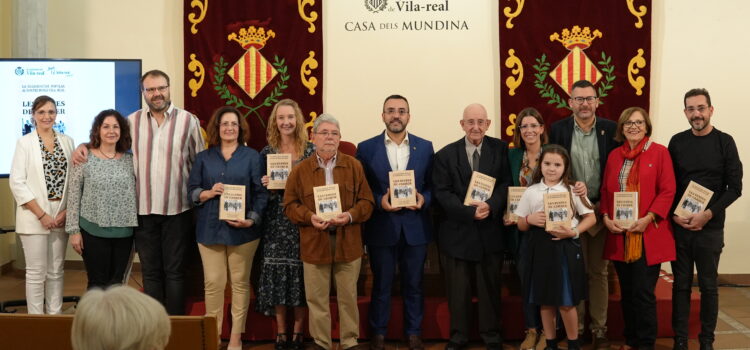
point(397, 235)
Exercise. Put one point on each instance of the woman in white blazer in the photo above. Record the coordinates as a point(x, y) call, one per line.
point(38, 178)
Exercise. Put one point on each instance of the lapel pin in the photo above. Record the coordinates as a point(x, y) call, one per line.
point(602, 132)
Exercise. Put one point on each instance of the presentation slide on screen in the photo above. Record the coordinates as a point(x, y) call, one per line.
point(81, 89)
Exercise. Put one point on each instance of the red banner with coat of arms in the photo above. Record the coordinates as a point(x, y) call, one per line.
point(546, 46)
point(251, 54)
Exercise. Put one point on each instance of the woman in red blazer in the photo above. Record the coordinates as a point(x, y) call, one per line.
point(637, 250)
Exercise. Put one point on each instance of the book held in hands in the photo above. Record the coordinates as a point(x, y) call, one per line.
point(327, 201)
point(694, 200)
point(625, 209)
point(514, 196)
point(403, 191)
point(278, 168)
point(558, 210)
point(480, 188)
point(232, 203)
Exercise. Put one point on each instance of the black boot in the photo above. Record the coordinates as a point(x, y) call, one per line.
point(573, 344)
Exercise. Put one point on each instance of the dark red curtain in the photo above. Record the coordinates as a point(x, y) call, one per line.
point(251, 54)
point(545, 46)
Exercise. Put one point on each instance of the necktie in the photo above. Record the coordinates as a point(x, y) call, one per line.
point(475, 160)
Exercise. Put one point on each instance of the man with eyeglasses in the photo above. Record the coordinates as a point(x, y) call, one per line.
point(589, 139)
point(397, 236)
point(709, 157)
point(165, 142)
point(470, 237)
point(330, 247)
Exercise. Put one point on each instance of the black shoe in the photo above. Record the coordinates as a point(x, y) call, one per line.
point(707, 345)
point(551, 344)
point(377, 342)
point(454, 346)
point(573, 344)
point(281, 341)
point(297, 342)
point(415, 342)
point(680, 344)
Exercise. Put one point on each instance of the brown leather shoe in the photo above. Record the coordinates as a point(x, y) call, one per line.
point(415, 343)
point(377, 342)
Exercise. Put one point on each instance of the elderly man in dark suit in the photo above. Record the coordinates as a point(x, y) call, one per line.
point(470, 236)
point(397, 236)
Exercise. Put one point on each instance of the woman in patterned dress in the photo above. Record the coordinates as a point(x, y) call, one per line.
point(38, 177)
point(281, 281)
point(101, 202)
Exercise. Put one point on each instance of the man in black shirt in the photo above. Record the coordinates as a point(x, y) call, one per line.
point(709, 157)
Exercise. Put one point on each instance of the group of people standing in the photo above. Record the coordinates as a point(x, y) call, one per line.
point(111, 201)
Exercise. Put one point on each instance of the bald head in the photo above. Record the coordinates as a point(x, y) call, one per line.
point(475, 122)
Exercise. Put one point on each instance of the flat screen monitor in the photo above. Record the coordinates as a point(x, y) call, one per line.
point(81, 87)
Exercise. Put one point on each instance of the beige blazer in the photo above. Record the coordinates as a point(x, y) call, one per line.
point(27, 180)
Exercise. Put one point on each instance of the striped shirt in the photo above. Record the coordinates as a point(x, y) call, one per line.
point(162, 158)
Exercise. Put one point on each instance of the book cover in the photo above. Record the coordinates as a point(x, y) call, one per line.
point(403, 189)
point(557, 210)
point(694, 200)
point(480, 188)
point(514, 196)
point(327, 201)
point(625, 210)
point(232, 203)
point(278, 168)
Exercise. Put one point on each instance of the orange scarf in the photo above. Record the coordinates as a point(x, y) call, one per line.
point(633, 240)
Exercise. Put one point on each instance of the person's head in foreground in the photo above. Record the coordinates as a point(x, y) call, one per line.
point(119, 318)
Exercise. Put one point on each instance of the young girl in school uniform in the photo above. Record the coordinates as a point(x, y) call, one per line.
point(556, 275)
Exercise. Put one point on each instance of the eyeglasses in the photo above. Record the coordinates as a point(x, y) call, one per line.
point(393, 111)
point(529, 126)
point(479, 122)
point(161, 89)
point(580, 100)
point(333, 134)
point(700, 109)
point(632, 123)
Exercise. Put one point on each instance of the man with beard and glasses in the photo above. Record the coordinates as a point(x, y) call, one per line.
point(709, 157)
point(397, 236)
point(589, 139)
point(165, 142)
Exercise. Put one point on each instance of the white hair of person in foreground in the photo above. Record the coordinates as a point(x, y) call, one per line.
point(120, 318)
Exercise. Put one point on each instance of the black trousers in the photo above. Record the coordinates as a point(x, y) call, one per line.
point(702, 249)
point(105, 259)
point(637, 284)
point(458, 274)
point(161, 241)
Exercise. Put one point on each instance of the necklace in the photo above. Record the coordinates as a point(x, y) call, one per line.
point(106, 156)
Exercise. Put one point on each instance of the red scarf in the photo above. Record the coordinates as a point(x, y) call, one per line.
point(633, 240)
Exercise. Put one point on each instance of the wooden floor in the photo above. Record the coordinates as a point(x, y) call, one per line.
point(732, 331)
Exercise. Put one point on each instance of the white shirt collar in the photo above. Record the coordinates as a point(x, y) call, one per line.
point(388, 140)
point(559, 187)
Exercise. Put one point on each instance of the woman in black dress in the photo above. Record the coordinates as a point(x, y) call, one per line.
point(281, 281)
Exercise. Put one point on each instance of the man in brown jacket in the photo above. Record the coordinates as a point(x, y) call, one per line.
point(332, 246)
